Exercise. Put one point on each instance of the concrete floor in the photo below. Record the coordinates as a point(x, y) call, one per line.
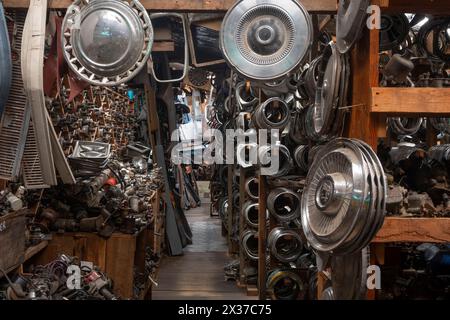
point(198, 274)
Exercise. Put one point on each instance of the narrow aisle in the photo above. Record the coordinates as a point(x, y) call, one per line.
point(199, 274)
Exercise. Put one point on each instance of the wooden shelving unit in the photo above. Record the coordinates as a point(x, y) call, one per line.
point(373, 104)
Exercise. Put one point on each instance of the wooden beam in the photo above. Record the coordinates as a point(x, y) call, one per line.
point(186, 6)
point(420, 101)
point(435, 230)
point(262, 236)
point(163, 46)
point(440, 7)
point(365, 58)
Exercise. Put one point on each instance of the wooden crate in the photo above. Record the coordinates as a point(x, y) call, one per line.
point(12, 240)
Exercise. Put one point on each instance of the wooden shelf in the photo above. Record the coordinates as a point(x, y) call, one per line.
point(440, 7)
point(189, 5)
point(411, 101)
point(435, 230)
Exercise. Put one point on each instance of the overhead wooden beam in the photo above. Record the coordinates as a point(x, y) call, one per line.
point(186, 5)
point(415, 6)
point(411, 101)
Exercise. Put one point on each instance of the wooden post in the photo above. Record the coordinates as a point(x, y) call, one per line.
point(152, 115)
point(242, 198)
point(365, 58)
point(230, 207)
point(262, 234)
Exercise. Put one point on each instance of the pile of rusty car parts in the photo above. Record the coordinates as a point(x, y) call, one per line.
point(418, 180)
point(118, 199)
point(421, 274)
point(52, 282)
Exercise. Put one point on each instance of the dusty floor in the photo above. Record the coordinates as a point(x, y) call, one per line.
point(198, 274)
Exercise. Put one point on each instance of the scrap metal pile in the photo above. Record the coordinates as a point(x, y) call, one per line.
point(418, 180)
point(119, 199)
point(421, 274)
point(66, 278)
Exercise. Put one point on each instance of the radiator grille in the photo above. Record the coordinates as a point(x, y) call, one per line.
point(32, 173)
point(13, 131)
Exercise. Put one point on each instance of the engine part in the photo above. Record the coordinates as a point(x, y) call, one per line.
point(440, 153)
point(198, 78)
point(246, 99)
point(232, 270)
point(398, 68)
point(252, 188)
point(394, 200)
point(394, 30)
point(266, 154)
point(107, 42)
point(265, 40)
point(440, 124)
point(404, 151)
point(350, 20)
point(416, 202)
point(249, 243)
point(5, 61)
point(285, 285)
point(286, 245)
point(272, 114)
point(344, 202)
point(284, 204)
point(405, 126)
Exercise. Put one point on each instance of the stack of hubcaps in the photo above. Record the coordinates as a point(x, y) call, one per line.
point(343, 205)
